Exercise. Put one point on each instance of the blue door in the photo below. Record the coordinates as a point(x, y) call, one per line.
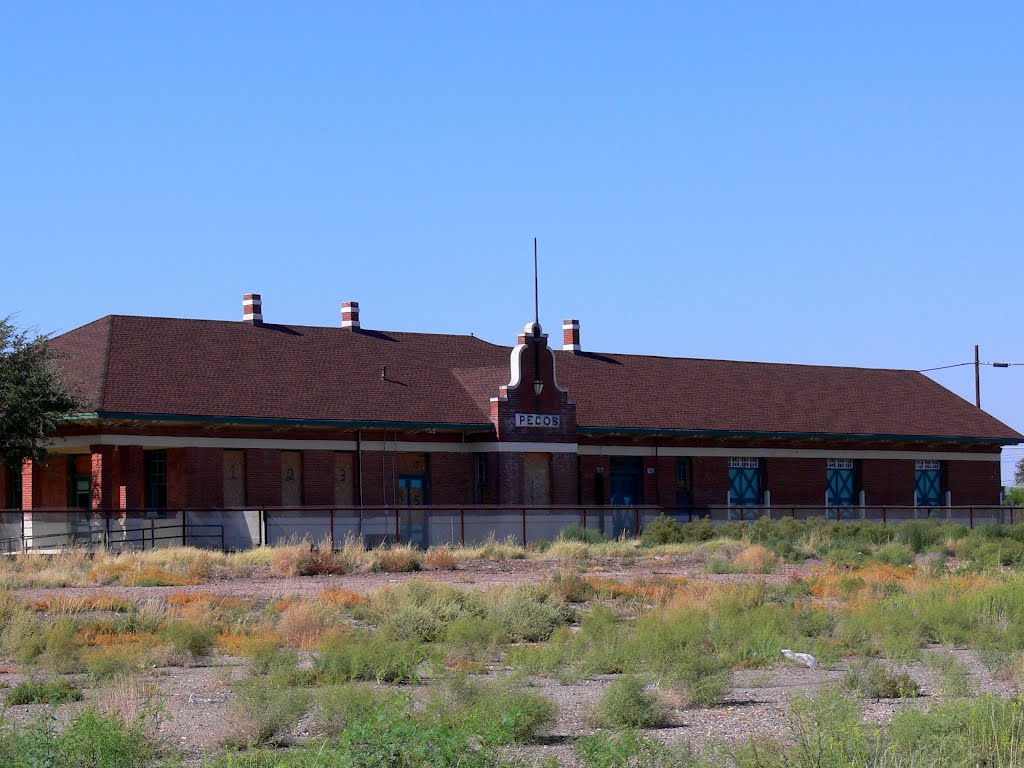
point(627, 492)
point(841, 482)
point(745, 482)
point(412, 492)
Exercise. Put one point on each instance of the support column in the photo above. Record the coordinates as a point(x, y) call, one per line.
point(31, 492)
point(131, 477)
point(102, 477)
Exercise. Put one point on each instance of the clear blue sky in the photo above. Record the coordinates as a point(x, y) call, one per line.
point(770, 181)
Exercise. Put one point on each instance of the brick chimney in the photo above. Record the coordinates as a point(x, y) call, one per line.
point(252, 309)
point(350, 314)
point(571, 335)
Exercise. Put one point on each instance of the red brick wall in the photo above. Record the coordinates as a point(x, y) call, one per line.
point(177, 490)
point(451, 478)
point(710, 480)
point(53, 482)
point(888, 481)
point(973, 482)
point(372, 472)
point(130, 477)
point(564, 478)
point(318, 477)
point(510, 478)
point(204, 477)
point(591, 479)
point(796, 481)
point(262, 477)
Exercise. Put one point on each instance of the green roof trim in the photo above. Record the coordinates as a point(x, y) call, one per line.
point(803, 435)
point(358, 424)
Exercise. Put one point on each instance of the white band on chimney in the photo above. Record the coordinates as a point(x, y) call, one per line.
point(350, 314)
point(571, 335)
point(252, 308)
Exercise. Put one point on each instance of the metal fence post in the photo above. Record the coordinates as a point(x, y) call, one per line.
point(972, 517)
point(524, 526)
point(462, 526)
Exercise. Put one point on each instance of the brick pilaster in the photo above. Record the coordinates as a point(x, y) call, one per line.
point(103, 478)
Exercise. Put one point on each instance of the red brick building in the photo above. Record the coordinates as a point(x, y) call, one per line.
point(210, 415)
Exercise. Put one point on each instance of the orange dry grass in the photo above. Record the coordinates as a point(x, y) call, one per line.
point(342, 598)
point(199, 605)
point(833, 581)
point(302, 626)
point(655, 590)
point(65, 604)
point(101, 637)
point(238, 644)
point(284, 603)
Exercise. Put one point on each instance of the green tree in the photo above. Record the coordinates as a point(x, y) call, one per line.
point(1018, 474)
point(34, 395)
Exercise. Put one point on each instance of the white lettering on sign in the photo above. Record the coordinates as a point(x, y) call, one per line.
point(538, 420)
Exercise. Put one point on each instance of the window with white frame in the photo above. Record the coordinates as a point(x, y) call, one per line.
point(744, 463)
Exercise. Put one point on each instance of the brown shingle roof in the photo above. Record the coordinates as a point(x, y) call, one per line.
point(146, 365)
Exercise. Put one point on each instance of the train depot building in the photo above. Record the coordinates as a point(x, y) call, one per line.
point(273, 430)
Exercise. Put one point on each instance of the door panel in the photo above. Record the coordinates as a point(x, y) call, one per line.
point(344, 481)
point(537, 479)
point(291, 479)
point(234, 479)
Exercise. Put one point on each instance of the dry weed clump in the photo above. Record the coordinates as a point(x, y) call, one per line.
point(135, 702)
point(491, 549)
point(757, 559)
point(302, 625)
point(65, 604)
point(399, 559)
point(439, 559)
point(656, 590)
point(132, 571)
point(305, 559)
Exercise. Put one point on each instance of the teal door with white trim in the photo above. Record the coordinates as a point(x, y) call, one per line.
point(928, 483)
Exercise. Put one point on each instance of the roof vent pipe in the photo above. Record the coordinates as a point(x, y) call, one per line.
point(350, 314)
point(571, 335)
point(252, 309)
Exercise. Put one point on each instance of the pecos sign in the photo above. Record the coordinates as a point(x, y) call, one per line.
point(543, 420)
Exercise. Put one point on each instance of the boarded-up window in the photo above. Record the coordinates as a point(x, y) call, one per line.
point(344, 480)
point(291, 478)
point(234, 478)
point(537, 475)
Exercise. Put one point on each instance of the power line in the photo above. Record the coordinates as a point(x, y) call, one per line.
point(957, 365)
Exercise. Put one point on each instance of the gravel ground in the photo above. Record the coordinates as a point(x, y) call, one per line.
point(470, 574)
point(197, 700)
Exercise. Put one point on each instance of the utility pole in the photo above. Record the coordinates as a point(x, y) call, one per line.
point(977, 377)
